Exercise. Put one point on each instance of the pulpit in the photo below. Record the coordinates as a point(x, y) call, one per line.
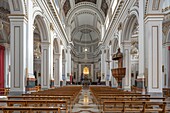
point(119, 73)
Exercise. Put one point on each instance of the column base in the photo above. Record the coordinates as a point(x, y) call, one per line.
point(127, 88)
point(61, 83)
point(51, 83)
point(140, 85)
point(30, 84)
point(15, 93)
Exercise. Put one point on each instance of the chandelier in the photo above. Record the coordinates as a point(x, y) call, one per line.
point(37, 52)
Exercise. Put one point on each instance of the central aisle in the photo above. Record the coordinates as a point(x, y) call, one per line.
point(85, 103)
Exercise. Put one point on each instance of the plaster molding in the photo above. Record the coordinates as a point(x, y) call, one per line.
point(84, 6)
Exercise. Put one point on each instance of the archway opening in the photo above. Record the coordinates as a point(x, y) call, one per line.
point(4, 44)
point(134, 52)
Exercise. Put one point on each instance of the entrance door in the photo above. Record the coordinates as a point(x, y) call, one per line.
point(2, 49)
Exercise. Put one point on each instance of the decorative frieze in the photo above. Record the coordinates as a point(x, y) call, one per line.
point(166, 9)
point(4, 14)
point(165, 27)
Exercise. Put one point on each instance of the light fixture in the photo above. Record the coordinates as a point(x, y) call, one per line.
point(85, 49)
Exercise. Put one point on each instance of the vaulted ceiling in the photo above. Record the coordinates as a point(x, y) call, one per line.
point(85, 19)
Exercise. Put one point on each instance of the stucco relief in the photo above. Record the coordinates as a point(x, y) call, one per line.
point(66, 7)
point(155, 4)
point(165, 28)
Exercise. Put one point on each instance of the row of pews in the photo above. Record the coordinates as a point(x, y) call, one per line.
point(58, 100)
point(111, 100)
point(4, 91)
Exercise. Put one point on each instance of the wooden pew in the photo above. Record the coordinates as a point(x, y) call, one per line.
point(66, 98)
point(4, 91)
point(103, 95)
point(37, 103)
point(166, 92)
point(149, 99)
point(62, 93)
point(29, 109)
point(133, 106)
point(99, 96)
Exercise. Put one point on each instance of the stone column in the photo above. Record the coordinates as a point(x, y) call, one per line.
point(18, 28)
point(69, 63)
point(45, 65)
point(127, 64)
point(92, 70)
point(7, 64)
point(102, 65)
point(165, 62)
point(56, 70)
point(30, 49)
point(64, 72)
point(80, 72)
point(114, 65)
point(107, 63)
point(153, 35)
point(141, 77)
point(168, 66)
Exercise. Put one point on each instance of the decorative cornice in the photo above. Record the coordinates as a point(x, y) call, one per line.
point(56, 18)
point(113, 20)
point(166, 9)
point(52, 26)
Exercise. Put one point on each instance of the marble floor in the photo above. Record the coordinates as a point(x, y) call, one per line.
point(85, 103)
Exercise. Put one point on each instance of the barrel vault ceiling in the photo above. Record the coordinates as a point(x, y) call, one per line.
point(85, 19)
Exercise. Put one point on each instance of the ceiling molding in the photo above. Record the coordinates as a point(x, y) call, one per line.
point(95, 21)
point(92, 1)
point(99, 2)
point(76, 21)
point(77, 29)
point(72, 3)
point(85, 6)
point(104, 7)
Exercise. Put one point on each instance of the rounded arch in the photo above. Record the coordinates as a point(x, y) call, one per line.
point(81, 8)
point(17, 6)
point(42, 26)
point(128, 28)
point(134, 11)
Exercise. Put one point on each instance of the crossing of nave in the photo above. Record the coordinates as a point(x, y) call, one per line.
point(79, 99)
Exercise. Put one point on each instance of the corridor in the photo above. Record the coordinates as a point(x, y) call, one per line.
point(85, 103)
